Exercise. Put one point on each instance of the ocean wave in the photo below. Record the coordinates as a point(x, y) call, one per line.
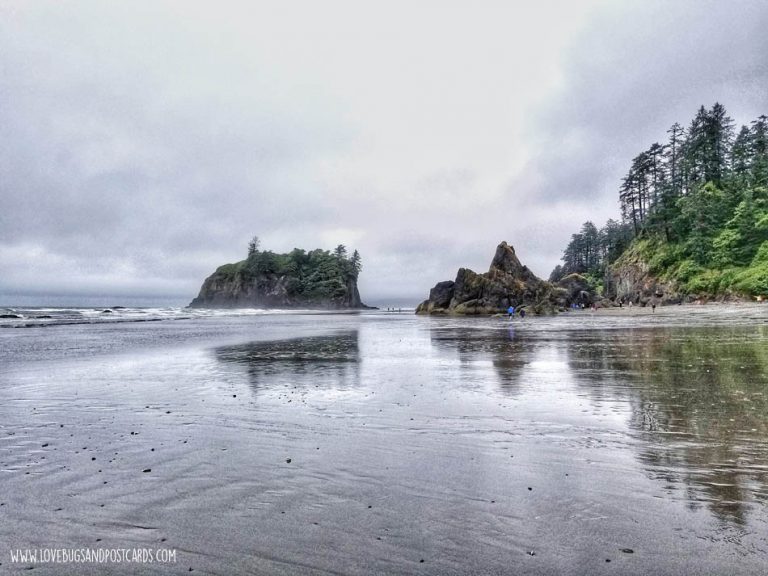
point(39, 316)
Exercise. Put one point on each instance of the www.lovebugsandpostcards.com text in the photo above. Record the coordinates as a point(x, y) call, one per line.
point(93, 556)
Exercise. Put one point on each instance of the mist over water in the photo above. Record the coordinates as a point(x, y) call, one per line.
point(389, 443)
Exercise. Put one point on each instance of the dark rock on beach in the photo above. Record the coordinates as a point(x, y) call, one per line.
point(507, 283)
point(578, 289)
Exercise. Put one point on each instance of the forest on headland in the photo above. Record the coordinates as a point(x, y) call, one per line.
point(694, 213)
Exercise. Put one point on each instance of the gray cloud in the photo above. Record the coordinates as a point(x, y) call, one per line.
point(145, 143)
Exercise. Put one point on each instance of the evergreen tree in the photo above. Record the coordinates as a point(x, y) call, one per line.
point(759, 149)
point(340, 252)
point(694, 153)
point(253, 246)
point(741, 157)
point(357, 263)
point(557, 274)
point(718, 130)
point(629, 200)
point(673, 159)
point(701, 215)
point(615, 237)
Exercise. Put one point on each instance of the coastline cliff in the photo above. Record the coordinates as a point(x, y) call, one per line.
point(317, 279)
point(694, 219)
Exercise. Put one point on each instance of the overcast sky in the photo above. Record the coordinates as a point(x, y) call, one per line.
point(144, 143)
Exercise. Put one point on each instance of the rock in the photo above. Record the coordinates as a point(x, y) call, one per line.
point(630, 279)
point(578, 290)
point(441, 295)
point(507, 283)
point(246, 284)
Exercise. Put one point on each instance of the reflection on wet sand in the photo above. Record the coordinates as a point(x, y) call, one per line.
point(696, 399)
point(317, 361)
point(508, 354)
point(699, 402)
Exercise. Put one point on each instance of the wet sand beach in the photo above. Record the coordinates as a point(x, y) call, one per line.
point(611, 442)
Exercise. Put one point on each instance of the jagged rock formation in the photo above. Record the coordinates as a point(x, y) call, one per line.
point(313, 280)
point(578, 290)
point(630, 280)
point(507, 283)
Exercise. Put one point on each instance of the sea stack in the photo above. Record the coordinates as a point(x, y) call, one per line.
point(317, 279)
point(507, 283)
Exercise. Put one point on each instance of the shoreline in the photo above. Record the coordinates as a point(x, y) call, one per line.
point(636, 309)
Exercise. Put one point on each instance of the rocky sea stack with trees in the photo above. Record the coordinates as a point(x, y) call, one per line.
point(694, 219)
point(318, 279)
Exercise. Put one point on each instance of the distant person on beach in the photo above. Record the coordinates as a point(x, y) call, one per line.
point(522, 313)
point(653, 307)
point(511, 311)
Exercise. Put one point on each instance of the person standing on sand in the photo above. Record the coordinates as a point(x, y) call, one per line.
point(522, 313)
point(511, 311)
point(653, 307)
